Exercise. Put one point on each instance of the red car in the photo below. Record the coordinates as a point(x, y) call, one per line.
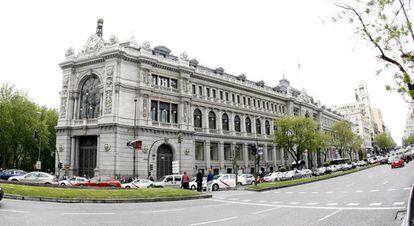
point(397, 163)
point(103, 182)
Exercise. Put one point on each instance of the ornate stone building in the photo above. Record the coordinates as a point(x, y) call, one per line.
point(108, 84)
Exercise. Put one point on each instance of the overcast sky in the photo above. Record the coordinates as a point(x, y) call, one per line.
point(262, 39)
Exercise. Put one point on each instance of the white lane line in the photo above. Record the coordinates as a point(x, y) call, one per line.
point(264, 211)
point(214, 221)
point(359, 191)
point(329, 192)
point(398, 203)
point(311, 203)
point(323, 218)
point(247, 200)
point(293, 203)
point(262, 201)
point(289, 192)
point(315, 192)
point(391, 189)
point(385, 182)
point(375, 190)
point(276, 192)
point(332, 204)
point(407, 188)
point(277, 202)
point(14, 211)
point(375, 204)
point(233, 199)
point(302, 192)
point(218, 205)
point(353, 204)
point(87, 213)
point(161, 211)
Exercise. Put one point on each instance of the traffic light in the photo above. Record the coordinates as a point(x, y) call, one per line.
point(180, 138)
point(254, 149)
point(60, 165)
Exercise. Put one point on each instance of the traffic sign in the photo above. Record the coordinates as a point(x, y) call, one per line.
point(175, 166)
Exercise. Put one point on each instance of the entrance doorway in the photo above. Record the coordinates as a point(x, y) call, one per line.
point(87, 156)
point(164, 160)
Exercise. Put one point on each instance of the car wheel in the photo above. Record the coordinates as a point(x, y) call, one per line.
point(81, 185)
point(47, 183)
point(14, 180)
point(193, 187)
point(275, 180)
point(113, 186)
point(63, 184)
point(127, 187)
point(215, 187)
point(240, 183)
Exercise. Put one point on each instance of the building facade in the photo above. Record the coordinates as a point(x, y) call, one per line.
point(114, 92)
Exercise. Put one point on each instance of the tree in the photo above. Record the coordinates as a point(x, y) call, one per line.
point(409, 140)
point(383, 141)
point(355, 146)
point(295, 135)
point(323, 142)
point(387, 25)
point(342, 136)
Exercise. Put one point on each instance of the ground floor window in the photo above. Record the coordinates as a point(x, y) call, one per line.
point(252, 170)
point(199, 151)
point(214, 151)
point(216, 171)
point(249, 150)
point(227, 152)
point(229, 170)
point(239, 152)
point(269, 153)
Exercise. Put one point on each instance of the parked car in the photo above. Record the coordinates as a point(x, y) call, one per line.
point(397, 163)
point(169, 181)
point(245, 179)
point(346, 166)
point(383, 160)
point(289, 175)
point(74, 181)
point(361, 163)
point(1, 193)
point(102, 182)
point(332, 168)
point(319, 171)
point(392, 158)
point(139, 183)
point(11, 173)
point(35, 178)
point(193, 183)
point(305, 173)
point(224, 181)
point(273, 176)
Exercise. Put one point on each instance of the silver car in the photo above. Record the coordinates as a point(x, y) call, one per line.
point(35, 178)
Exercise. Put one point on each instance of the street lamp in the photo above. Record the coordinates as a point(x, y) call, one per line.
point(135, 137)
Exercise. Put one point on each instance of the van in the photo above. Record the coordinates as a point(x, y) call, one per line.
point(169, 181)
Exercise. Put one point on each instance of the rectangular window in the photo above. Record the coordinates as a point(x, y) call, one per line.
point(173, 83)
point(163, 81)
point(233, 98)
point(248, 101)
point(238, 99)
point(199, 151)
point(214, 151)
point(227, 96)
point(155, 79)
point(244, 100)
point(221, 95)
point(254, 103)
point(278, 155)
point(208, 92)
point(239, 152)
point(194, 89)
point(267, 105)
point(269, 153)
point(214, 94)
point(263, 104)
point(164, 112)
point(227, 152)
point(249, 150)
point(154, 110)
point(174, 113)
point(200, 90)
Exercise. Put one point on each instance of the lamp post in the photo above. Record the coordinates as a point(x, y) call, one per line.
point(135, 125)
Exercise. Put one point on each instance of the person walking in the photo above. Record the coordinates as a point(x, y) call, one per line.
point(210, 177)
point(185, 181)
point(199, 181)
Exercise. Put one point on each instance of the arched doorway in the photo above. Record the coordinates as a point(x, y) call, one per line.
point(164, 160)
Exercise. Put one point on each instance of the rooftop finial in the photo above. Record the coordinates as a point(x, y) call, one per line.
point(99, 28)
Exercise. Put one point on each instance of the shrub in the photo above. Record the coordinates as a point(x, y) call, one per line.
point(282, 169)
point(326, 164)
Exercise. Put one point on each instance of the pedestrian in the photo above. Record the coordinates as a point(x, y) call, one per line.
point(130, 179)
point(210, 177)
point(185, 181)
point(199, 181)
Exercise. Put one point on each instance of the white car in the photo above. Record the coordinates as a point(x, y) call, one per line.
point(332, 168)
point(245, 179)
point(35, 178)
point(169, 181)
point(224, 181)
point(139, 183)
point(273, 176)
point(306, 173)
point(193, 183)
point(73, 181)
point(288, 175)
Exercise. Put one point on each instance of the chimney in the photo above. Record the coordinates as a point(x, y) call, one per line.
point(99, 27)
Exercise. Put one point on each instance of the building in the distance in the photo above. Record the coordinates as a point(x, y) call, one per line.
point(409, 122)
point(117, 91)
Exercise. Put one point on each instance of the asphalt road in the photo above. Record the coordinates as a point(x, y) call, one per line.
point(371, 197)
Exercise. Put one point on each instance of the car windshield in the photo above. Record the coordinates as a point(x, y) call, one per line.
point(216, 177)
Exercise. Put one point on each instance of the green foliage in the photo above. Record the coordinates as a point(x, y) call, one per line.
point(387, 26)
point(326, 164)
point(295, 135)
point(343, 137)
point(383, 141)
point(19, 118)
point(282, 169)
point(409, 140)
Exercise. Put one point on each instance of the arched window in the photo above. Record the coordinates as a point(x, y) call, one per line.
point(248, 125)
point(258, 127)
point(237, 124)
point(211, 120)
point(90, 99)
point(267, 126)
point(225, 122)
point(197, 118)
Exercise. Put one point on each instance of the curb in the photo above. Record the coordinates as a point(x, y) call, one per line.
point(308, 182)
point(135, 200)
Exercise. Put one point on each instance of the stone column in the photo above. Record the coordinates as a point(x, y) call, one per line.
point(207, 154)
point(275, 157)
point(221, 156)
point(245, 156)
point(265, 157)
point(205, 121)
point(219, 122)
point(243, 124)
point(231, 122)
point(253, 125)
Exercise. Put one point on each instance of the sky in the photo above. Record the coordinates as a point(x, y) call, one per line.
point(262, 39)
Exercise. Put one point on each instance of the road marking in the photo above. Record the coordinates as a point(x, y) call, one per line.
point(262, 201)
point(332, 204)
point(276, 192)
point(264, 211)
point(214, 221)
point(293, 203)
point(247, 200)
point(385, 182)
point(329, 192)
point(87, 213)
point(277, 202)
point(323, 218)
point(223, 204)
point(375, 204)
point(407, 188)
point(14, 211)
point(375, 190)
point(359, 191)
point(234, 199)
point(161, 211)
point(398, 203)
point(289, 192)
point(353, 204)
point(391, 189)
point(311, 203)
point(302, 192)
point(315, 192)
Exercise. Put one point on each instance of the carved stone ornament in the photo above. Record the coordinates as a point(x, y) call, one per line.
point(107, 147)
point(93, 46)
point(145, 106)
point(187, 152)
point(113, 39)
point(146, 45)
point(184, 56)
point(108, 89)
point(70, 52)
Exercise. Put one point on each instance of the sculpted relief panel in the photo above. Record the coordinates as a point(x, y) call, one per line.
point(108, 89)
